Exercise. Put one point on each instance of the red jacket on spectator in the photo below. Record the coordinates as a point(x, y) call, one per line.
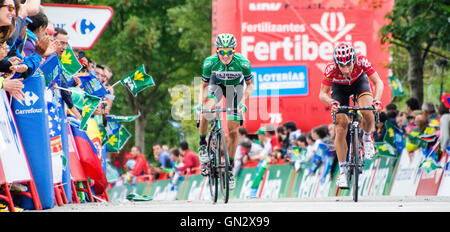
point(141, 166)
point(190, 161)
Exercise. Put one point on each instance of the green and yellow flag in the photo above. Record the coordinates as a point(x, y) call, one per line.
point(137, 80)
point(124, 136)
point(90, 103)
point(69, 62)
point(385, 149)
point(396, 85)
point(429, 165)
point(113, 143)
point(118, 140)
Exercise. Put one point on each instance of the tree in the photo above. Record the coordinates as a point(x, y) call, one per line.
point(146, 32)
point(171, 38)
point(420, 26)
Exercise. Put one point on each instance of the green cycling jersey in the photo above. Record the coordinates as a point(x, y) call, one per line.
point(234, 73)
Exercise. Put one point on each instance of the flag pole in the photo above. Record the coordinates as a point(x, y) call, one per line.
point(112, 86)
point(70, 90)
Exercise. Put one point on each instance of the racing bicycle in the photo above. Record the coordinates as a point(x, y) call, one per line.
point(219, 167)
point(356, 159)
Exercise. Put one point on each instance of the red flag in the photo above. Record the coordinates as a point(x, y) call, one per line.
point(89, 160)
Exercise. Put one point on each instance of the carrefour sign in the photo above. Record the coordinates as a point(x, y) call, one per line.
point(83, 23)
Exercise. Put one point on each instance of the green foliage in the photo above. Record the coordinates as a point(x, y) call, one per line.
point(415, 22)
point(171, 38)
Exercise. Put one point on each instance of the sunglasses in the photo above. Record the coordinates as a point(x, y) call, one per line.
point(223, 52)
point(11, 8)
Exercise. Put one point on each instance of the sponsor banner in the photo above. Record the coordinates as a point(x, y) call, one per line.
point(277, 181)
point(32, 123)
point(244, 183)
point(309, 182)
point(429, 182)
point(12, 154)
point(408, 173)
point(279, 37)
point(83, 23)
point(280, 81)
point(160, 190)
point(196, 188)
point(444, 188)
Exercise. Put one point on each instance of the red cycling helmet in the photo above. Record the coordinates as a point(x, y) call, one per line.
point(344, 53)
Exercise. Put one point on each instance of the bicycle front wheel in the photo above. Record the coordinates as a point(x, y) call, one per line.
point(212, 170)
point(224, 167)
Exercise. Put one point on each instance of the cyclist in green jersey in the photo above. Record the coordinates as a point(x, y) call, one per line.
point(224, 74)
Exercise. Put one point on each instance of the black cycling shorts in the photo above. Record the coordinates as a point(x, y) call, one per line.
point(360, 87)
point(233, 95)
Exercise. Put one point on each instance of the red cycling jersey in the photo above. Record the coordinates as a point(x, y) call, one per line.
point(332, 74)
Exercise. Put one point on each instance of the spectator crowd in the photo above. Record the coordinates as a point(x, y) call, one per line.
point(311, 150)
point(27, 40)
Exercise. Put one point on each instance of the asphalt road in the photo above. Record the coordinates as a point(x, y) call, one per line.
point(330, 204)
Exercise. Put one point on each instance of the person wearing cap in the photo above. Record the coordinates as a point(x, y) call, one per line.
point(270, 133)
point(264, 140)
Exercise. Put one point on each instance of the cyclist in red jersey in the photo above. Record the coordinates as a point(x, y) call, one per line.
point(350, 74)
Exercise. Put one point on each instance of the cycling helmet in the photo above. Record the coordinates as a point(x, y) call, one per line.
point(225, 40)
point(344, 53)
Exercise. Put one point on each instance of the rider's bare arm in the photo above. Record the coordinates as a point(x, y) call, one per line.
point(323, 95)
point(248, 90)
point(378, 84)
point(203, 92)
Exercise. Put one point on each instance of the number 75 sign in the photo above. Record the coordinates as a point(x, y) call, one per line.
point(83, 23)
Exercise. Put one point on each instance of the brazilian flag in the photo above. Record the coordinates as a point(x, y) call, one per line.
point(137, 80)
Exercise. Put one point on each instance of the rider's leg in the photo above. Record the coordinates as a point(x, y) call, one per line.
point(368, 125)
point(232, 139)
point(203, 128)
point(340, 139)
point(368, 121)
point(341, 148)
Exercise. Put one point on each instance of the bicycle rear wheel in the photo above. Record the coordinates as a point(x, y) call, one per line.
point(223, 170)
point(212, 172)
point(355, 157)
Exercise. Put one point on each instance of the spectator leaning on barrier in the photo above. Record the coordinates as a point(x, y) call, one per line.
point(61, 40)
point(190, 159)
point(7, 28)
point(137, 164)
point(165, 163)
point(429, 110)
point(270, 133)
point(242, 133)
point(412, 108)
point(380, 128)
point(35, 32)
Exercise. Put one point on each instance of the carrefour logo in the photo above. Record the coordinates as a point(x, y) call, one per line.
point(83, 26)
point(301, 45)
point(29, 100)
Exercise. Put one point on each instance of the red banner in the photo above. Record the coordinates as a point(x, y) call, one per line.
point(289, 44)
